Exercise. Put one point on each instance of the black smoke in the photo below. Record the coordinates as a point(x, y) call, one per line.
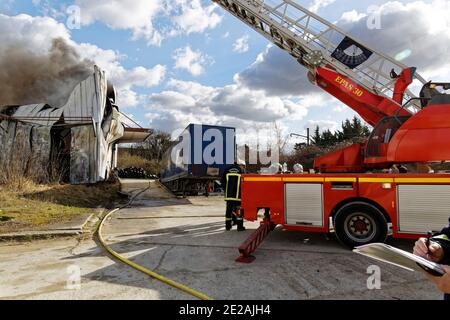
point(27, 77)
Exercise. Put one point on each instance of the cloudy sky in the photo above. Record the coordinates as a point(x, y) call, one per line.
point(176, 62)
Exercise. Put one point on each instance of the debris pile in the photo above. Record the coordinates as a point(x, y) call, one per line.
point(135, 173)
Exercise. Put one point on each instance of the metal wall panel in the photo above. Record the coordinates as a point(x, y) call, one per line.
point(10, 138)
point(21, 148)
point(41, 148)
point(423, 208)
point(304, 204)
point(91, 154)
point(82, 156)
point(3, 142)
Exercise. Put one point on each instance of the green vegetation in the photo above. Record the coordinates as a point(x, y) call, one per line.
point(352, 131)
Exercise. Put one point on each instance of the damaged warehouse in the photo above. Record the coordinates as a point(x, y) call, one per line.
point(76, 143)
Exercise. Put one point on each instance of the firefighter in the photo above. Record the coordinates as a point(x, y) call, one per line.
point(437, 249)
point(231, 180)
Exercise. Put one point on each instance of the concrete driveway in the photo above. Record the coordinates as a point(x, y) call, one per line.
point(185, 240)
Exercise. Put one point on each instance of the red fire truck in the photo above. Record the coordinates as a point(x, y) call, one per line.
point(360, 208)
point(348, 194)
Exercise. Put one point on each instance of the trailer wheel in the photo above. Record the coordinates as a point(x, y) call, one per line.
point(360, 223)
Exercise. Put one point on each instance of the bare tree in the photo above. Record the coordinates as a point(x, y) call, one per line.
point(281, 139)
point(154, 147)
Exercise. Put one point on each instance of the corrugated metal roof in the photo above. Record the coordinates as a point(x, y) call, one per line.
point(86, 103)
point(135, 135)
point(29, 110)
point(39, 114)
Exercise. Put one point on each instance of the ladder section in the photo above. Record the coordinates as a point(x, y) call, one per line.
point(253, 242)
point(317, 43)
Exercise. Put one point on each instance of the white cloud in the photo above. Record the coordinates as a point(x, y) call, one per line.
point(322, 124)
point(192, 61)
point(32, 33)
point(173, 100)
point(140, 76)
point(241, 45)
point(277, 73)
point(193, 17)
point(141, 17)
point(125, 80)
point(319, 4)
point(407, 28)
point(187, 102)
point(48, 8)
point(423, 44)
point(340, 108)
point(134, 15)
point(352, 16)
point(275, 87)
point(246, 104)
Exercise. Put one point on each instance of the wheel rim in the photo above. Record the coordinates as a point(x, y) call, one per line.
point(360, 227)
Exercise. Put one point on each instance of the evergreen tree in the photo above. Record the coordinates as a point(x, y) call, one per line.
point(352, 131)
point(317, 138)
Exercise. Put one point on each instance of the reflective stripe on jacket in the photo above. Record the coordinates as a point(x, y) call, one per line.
point(233, 188)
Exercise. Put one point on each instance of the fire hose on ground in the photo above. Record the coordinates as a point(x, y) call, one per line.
point(140, 268)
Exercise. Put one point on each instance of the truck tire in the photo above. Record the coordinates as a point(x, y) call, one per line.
point(360, 223)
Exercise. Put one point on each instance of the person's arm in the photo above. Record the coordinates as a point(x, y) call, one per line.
point(439, 249)
point(434, 252)
point(444, 241)
point(443, 283)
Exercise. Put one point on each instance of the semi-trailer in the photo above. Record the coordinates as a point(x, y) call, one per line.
point(198, 158)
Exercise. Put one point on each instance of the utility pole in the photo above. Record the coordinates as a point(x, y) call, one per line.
point(307, 137)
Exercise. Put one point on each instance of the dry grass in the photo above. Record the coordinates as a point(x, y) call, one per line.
point(26, 205)
point(30, 198)
point(126, 160)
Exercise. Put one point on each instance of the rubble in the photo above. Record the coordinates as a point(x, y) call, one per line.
point(135, 173)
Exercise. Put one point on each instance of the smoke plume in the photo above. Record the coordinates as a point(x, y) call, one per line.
point(28, 78)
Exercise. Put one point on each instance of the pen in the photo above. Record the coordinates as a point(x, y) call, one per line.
point(430, 235)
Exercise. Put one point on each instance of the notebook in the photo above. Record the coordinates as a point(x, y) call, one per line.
point(399, 258)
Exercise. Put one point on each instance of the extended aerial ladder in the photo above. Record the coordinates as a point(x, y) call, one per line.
point(373, 84)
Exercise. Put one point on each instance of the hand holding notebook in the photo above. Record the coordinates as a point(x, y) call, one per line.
point(399, 258)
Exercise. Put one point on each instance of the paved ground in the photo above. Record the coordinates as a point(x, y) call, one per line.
point(185, 240)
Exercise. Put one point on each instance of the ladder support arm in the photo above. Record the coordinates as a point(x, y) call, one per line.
point(316, 43)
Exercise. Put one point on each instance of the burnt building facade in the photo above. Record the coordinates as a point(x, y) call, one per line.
point(76, 143)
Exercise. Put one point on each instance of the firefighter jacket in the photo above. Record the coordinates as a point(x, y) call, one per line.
point(444, 240)
point(231, 180)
